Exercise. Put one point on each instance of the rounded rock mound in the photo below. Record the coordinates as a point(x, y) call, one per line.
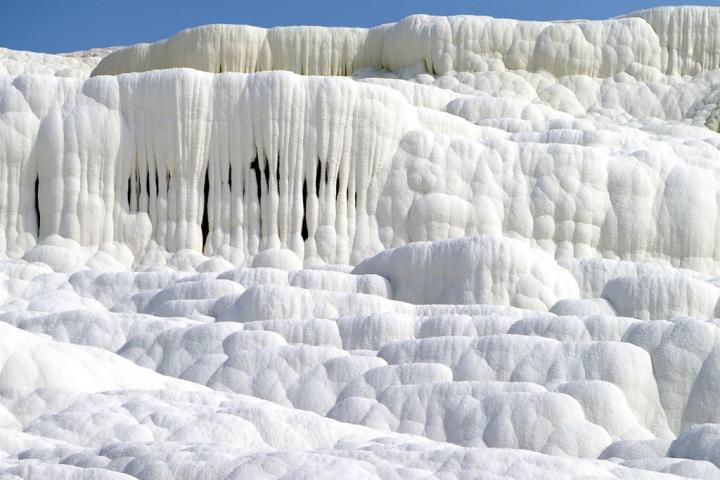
point(482, 269)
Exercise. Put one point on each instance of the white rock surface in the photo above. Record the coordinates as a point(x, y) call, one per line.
point(441, 248)
point(484, 270)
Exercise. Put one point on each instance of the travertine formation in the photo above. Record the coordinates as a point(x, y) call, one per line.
point(443, 248)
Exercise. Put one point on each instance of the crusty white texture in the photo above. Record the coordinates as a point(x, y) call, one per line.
point(671, 40)
point(483, 269)
point(75, 64)
point(441, 248)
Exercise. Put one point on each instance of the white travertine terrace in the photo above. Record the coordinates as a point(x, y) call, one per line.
point(673, 40)
point(575, 159)
point(455, 247)
point(74, 64)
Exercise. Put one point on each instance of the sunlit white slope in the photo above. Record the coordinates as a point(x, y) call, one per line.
point(55, 408)
point(74, 64)
point(452, 247)
point(671, 40)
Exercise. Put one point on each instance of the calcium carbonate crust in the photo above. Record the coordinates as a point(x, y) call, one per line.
point(456, 247)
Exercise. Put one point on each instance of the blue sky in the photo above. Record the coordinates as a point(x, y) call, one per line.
point(65, 25)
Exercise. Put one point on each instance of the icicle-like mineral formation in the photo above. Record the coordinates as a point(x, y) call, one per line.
point(409, 243)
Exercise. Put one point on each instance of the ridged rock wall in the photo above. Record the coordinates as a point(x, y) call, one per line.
point(336, 169)
point(671, 40)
